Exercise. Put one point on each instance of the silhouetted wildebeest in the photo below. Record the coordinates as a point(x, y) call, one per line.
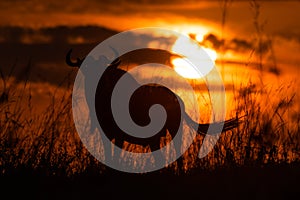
point(140, 102)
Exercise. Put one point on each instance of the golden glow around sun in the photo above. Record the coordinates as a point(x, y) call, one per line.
point(199, 37)
point(198, 62)
point(184, 68)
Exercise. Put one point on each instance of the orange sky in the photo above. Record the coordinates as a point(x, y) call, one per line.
point(280, 21)
point(279, 15)
point(280, 18)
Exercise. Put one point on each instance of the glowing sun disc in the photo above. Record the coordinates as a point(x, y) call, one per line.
point(185, 69)
point(198, 57)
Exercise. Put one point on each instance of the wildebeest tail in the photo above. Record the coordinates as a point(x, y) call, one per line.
point(213, 128)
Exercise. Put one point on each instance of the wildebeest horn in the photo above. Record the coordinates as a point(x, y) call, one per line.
point(70, 62)
point(115, 51)
point(117, 61)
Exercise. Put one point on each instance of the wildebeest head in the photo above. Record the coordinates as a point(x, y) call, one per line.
point(90, 75)
point(102, 60)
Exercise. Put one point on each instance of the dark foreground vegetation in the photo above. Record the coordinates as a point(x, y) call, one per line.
point(41, 155)
point(268, 182)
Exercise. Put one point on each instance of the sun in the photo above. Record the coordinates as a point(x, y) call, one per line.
point(184, 68)
point(198, 62)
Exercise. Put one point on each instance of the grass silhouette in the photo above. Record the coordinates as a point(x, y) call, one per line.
point(44, 147)
point(48, 142)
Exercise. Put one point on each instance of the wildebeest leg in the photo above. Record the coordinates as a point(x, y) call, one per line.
point(107, 146)
point(117, 154)
point(110, 152)
point(177, 143)
point(177, 146)
point(159, 157)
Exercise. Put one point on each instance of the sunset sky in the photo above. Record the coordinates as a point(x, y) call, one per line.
point(35, 29)
point(280, 18)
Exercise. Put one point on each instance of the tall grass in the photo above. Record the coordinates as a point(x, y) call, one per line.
point(269, 132)
point(46, 142)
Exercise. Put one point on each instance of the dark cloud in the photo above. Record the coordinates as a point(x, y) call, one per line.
point(240, 45)
point(87, 6)
point(212, 41)
point(45, 48)
point(12, 34)
point(48, 58)
point(59, 34)
point(293, 34)
point(237, 44)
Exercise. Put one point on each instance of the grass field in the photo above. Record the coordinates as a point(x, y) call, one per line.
point(42, 156)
